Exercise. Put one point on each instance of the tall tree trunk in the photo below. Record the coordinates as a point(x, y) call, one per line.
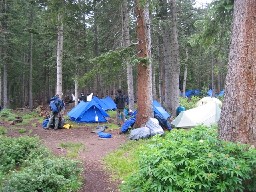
point(1, 58)
point(175, 70)
point(59, 56)
point(5, 93)
point(185, 74)
point(238, 122)
point(76, 90)
point(31, 59)
point(144, 67)
point(171, 58)
point(126, 43)
point(30, 73)
point(4, 52)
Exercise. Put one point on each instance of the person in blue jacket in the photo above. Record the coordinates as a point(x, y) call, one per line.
point(56, 105)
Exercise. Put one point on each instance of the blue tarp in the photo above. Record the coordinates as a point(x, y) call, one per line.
point(87, 112)
point(159, 110)
point(221, 94)
point(110, 104)
point(191, 92)
point(209, 92)
point(159, 113)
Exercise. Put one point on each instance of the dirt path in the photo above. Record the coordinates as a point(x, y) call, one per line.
point(96, 178)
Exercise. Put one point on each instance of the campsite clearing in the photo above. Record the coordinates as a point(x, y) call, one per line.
point(93, 149)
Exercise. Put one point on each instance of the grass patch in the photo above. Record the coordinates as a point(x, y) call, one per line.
point(112, 126)
point(3, 130)
point(72, 149)
point(124, 161)
point(112, 114)
point(22, 130)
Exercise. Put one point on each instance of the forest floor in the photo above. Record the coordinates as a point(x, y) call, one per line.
point(96, 177)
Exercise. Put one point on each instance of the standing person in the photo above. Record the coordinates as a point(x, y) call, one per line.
point(56, 105)
point(82, 97)
point(120, 104)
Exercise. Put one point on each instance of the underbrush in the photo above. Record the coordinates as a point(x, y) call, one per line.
point(28, 166)
point(189, 103)
point(186, 160)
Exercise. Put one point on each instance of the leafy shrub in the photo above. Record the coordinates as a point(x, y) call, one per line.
point(15, 150)
point(28, 166)
point(57, 174)
point(194, 160)
point(189, 103)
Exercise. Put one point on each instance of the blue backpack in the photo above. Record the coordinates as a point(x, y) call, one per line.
point(56, 104)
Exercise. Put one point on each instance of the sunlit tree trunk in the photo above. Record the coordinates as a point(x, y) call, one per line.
point(238, 122)
point(59, 56)
point(144, 67)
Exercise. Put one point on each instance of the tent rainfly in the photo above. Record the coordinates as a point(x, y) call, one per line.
point(88, 112)
point(207, 114)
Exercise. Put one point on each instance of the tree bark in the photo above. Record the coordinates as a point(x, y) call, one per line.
point(185, 74)
point(238, 122)
point(172, 65)
point(59, 56)
point(144, 67)
point(126, 43)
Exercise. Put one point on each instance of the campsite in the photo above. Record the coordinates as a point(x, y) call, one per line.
point(127, 95)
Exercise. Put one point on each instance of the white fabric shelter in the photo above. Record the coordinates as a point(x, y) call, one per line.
point(206, 100)
point(207, 114)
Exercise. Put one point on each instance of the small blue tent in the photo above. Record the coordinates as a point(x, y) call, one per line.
point(109, 103)
point(87, 112)
point(100, 103)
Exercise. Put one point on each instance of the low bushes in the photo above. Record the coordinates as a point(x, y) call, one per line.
point(194, 160)
point(27, 166)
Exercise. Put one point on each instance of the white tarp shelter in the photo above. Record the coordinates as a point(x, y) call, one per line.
point(207, 114)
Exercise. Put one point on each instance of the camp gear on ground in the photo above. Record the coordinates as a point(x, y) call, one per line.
point(179, 109)
point(67, 126)
point(127, 124)
point(152, 128)
point(104, 135)
point(60, 122)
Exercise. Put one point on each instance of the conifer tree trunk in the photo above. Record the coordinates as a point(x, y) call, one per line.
point(238, 122)
point(59, 56)
point(126, 42)
point(172, 65)
point(31, 73)
point(185, 74)
point(144, 67)
point(4, 51)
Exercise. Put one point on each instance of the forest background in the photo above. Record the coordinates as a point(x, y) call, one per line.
point(98, 52)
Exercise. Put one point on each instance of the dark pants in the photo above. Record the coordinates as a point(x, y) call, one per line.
point(120, 116)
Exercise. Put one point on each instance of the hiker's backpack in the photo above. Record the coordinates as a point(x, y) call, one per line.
point(56, 105)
